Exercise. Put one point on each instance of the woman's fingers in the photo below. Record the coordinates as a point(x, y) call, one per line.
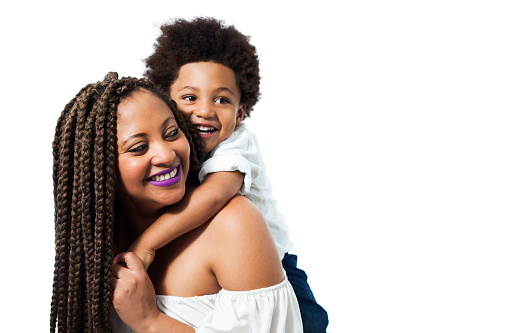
point(120, 258)
point(133, 262)
point(119, 264)
point(129, 260)
point(125, 265)
point(117, 270)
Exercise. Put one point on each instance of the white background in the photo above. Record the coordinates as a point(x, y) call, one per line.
point(388, 129)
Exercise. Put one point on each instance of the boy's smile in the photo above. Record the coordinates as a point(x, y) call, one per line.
point(206, 131)
point(207, 94)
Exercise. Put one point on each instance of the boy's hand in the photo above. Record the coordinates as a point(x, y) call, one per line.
point(144, 253)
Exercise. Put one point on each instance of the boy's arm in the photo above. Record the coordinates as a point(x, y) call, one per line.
point(197, 207)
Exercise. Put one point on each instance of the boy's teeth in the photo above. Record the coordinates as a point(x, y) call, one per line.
point(165, 176)
point(205, 129)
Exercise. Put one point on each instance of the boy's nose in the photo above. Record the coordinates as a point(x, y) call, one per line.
point(204, 110)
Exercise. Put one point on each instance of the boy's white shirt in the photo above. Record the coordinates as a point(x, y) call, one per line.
point(240, 152)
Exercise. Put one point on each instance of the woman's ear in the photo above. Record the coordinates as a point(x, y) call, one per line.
point(241, 112)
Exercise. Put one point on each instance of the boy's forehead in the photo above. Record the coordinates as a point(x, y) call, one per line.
point(196, 75)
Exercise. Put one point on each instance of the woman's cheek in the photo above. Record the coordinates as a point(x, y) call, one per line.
point(183, 150)
point(131, 172)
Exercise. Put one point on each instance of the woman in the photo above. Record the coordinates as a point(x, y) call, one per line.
point(122, 154)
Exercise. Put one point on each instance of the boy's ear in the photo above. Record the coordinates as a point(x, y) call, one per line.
point(241, 112)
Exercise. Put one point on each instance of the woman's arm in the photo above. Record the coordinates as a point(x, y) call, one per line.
point(256, 296)
point(135, 301)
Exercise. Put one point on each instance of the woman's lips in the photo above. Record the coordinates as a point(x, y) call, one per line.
point(166, 178)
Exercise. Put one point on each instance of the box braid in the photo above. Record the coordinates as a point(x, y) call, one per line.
point(84, 178)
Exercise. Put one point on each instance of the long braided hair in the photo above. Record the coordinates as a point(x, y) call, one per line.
point(84, 177)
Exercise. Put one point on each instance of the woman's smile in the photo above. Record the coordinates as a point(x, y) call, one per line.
point(167, 177)
point(154, 153)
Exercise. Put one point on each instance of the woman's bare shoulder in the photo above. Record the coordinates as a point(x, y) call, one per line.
point(237, 210)
point(243, 255)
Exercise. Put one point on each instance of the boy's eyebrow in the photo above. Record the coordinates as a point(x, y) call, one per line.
point(197, 89)
point(188, 87)
point(225, 89)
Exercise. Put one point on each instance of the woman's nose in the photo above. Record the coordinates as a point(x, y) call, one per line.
point(162, 154)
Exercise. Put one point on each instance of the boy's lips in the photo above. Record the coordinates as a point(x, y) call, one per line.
point(167, 177)
point(206, 131)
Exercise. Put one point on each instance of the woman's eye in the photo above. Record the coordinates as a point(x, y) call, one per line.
point(173, 133)
point(189, 98)
point(138, 149)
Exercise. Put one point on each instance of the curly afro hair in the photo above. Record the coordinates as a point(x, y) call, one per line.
point(205, 39)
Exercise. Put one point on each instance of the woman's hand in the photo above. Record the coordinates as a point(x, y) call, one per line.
point(134, 297)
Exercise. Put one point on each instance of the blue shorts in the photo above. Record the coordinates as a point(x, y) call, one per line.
point(314, 317)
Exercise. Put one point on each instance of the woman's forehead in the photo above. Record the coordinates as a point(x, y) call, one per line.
point(143, 103)
point(142, 110)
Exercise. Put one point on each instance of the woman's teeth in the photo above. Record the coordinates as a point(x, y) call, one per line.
point(165, 176)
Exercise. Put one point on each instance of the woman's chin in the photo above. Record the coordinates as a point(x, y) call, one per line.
point(171, 199)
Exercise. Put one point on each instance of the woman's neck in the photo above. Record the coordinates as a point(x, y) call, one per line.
point(131, 222)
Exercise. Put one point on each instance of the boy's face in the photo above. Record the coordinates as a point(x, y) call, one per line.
point(207, 94)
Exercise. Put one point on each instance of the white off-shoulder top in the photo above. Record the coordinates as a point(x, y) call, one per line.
point(267, 310)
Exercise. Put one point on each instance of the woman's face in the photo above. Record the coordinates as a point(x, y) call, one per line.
point(153, 153)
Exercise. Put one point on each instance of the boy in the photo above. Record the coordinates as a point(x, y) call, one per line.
point(211, 71)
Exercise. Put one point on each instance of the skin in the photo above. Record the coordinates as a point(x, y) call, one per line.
point(149, 142)
point(234, 250)
point(208, 95)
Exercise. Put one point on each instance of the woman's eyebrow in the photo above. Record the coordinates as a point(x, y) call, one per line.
point(143, 135)
point(131, 137)
point(166, 121)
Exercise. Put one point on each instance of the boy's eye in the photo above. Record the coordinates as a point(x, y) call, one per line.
point(222, 100)
point(138, 148)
